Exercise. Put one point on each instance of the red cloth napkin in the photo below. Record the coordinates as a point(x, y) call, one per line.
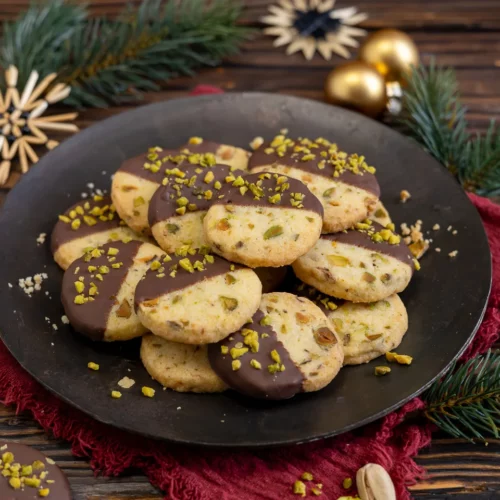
point(195, 473)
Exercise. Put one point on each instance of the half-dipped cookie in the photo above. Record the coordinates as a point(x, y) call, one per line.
point(380, 214)
point(263, 220)
point(345, 184)
point(98, 290)
point(180, 204)
point(367, 331)
point(28, 474)
point(289, 346)
point(181, 367)
point(87, 224)
point(365, 264)
point(193, 297)
point(137, 179)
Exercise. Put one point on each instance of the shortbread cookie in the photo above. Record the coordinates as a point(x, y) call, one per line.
point(345, 184)
point(196, 298)
point(178, 207)
point(263, 220)
point(98, 290)
point(87, 224)
point(289, 347)
point(181, 367)
point(38, 476)
point(365, 264)
point(367, 331)
point(138, 178)
point(272, 278)
point(380, 215)
point(236, 158)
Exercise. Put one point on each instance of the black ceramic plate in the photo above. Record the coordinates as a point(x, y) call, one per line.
point(445, 301)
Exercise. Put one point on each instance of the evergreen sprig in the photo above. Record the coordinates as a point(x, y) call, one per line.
point(466, 402)
point(114, 61)
point(434, 116)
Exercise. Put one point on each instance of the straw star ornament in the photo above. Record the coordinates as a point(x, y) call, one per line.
point(314, 25)
point(22, 125)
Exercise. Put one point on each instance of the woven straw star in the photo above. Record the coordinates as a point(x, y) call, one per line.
point(22, 123)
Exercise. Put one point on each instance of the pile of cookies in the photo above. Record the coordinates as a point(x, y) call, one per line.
point(194, 251)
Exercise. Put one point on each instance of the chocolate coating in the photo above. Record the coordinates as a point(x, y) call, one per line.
point(251, 381)
point(62, 232)
point(151, 287)
point(366, 181)
point(91, 318)
point(232, 195)
point(163, 203)
point(309, 292)
point(25, 455)
point(363, 239)
point(272, 277)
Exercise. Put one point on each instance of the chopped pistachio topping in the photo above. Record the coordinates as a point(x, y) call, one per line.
point(273, 232)
point(299, 488)
point(255, 364)
point(275, 356)
point(116, 394)
point(93, 366)
point(224, 349)
point(307, 476)
point(149, 392)
point(236, 364)
point(382, 370)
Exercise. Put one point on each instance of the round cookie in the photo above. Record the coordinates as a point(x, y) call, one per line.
point(196, 298)
point(87, 224)
point(263, 220)
point(181, 367)
point(289, 347)
point(365, 264)
point(98, 290)
point(345, 185)
point(39, 475)
point(178, 207)
point(380, 215)
point(367, 331)
point(135, 182)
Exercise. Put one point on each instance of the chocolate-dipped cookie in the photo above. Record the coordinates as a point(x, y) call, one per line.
point(87, 224)
point(263, 220)
point(367, 331)
point(345, 184)
point(138, 178)
point(193, 297)
point(181, 367)
point(98, 290)
point(28, 474)
point(290, 346)
point(380, 214)
point(365, 264)
point(180, 204)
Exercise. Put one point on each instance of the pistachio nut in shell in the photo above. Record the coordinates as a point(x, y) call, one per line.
point(374, 483)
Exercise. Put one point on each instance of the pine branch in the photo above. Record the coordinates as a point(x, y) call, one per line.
point(114, 61)
point(433, 115)
point(466, 402)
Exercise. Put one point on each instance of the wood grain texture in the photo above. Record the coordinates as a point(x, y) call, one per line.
point(464, 34)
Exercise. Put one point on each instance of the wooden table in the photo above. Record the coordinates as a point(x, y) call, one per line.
point(464, 34)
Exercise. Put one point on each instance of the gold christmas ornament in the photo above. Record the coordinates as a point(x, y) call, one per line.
point(314, 25)
point(357, 85)
point(21, 120)
point(392, 52)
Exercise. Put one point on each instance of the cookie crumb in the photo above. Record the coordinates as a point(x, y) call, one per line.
point(449, 228)
point(10, 285)
point(454, 232)
point(84, 195)
point(41, 239)
point(414, 238)
point(50, 461)
point(379, 371)
point(438, 249)
point(347, 483)
point(93, 366)
point(126, 382)
point(404, 196)
point(32, 283)
point(257, 143)
point(65, 320)
point(90, 185)
point(436, 227)
point(54, 326)
point(453, 254)
point(179, 407)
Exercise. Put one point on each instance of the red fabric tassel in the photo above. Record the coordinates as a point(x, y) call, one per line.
point(201, 474)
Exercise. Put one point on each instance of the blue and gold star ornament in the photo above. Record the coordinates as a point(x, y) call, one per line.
point(312, 26)
point(22, 124)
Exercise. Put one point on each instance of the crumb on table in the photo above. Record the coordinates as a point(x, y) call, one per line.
point(404, 196)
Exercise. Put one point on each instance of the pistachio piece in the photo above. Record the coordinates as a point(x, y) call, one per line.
point(382, 370)
point(223, 225)
point(368, 277)
point(403, 359)
point(124, 311)
point(374, 483)
point(302, 318)
point(272, 232)
point(236, 365)
point(172, 228)
point(338, 260)
point(299, 488)
point(325, 337)
point(373, 336)
point(229, 303)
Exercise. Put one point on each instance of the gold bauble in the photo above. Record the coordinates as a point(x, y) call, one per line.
point(392, 52)
point(356, 85)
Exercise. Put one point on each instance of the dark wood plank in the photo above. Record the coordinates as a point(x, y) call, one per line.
point(464, 34)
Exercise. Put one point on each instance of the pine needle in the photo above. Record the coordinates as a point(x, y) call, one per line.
point(466, 402)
